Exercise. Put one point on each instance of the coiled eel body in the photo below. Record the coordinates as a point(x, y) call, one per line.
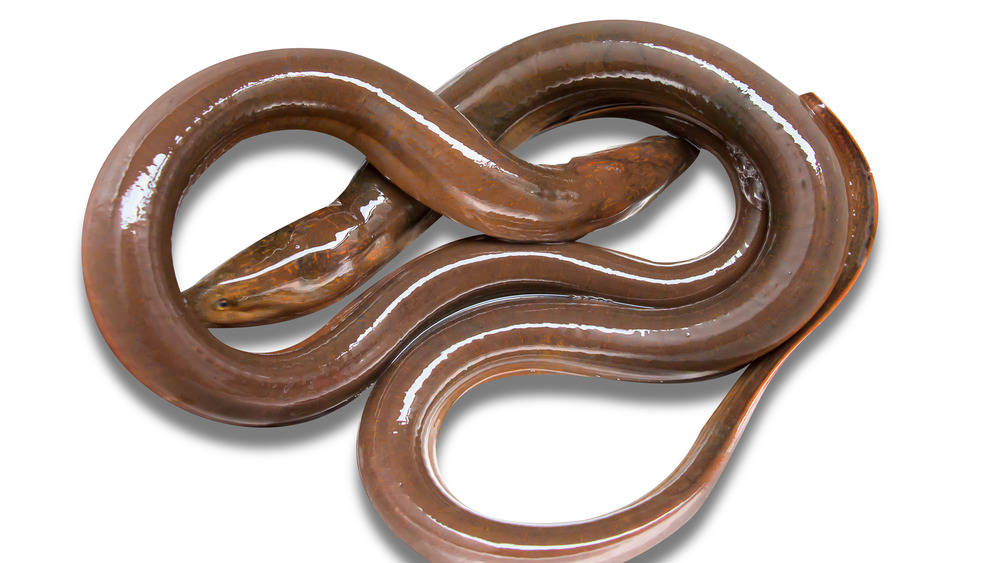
point(480, 309)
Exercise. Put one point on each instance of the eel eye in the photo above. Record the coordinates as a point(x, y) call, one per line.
point(223, 304)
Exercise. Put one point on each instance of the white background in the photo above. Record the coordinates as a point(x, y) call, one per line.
point(876, 441)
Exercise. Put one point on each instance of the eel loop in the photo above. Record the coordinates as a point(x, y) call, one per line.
point(487, 307)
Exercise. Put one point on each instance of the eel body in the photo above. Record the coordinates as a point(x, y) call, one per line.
point(487, 307)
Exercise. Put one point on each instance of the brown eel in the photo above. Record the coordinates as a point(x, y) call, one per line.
point(486, 307)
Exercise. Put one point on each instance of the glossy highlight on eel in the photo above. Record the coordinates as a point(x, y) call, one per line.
point(522, 298)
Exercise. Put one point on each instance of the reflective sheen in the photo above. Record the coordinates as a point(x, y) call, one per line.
point(323, 256)
point(482, 308)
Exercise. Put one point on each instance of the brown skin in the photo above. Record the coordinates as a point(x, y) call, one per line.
point(399, 428)
point(785, 264)
point(314, 261)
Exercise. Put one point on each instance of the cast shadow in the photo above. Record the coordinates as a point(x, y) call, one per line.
point(445, 231)
point(278, 437)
